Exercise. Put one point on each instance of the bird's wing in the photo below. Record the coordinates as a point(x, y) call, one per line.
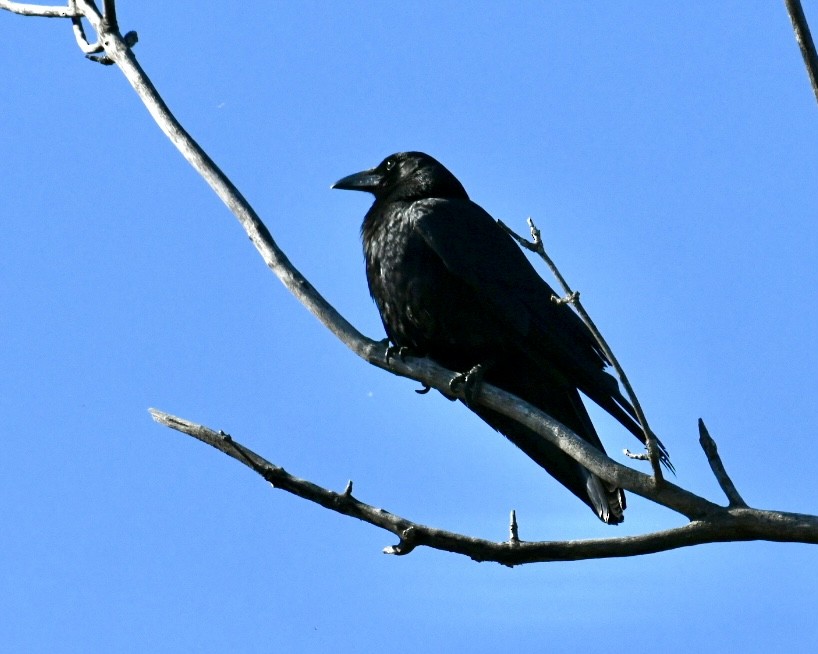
point(477, 250)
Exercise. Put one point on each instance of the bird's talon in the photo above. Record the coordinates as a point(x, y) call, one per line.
point(455, 381)
point(422, 391)
point(391, 351)
point(470, 382)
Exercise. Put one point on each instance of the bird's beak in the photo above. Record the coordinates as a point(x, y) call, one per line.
point(367, 180)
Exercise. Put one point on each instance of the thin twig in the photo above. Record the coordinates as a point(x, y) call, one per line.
point(726, 524)
point(636, 456)
point(513, 529)
point(716, 465)
point(805, 42)
point(572, 297)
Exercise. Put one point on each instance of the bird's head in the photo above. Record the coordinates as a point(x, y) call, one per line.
point(405, 176)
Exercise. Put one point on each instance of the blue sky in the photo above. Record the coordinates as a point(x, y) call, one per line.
point(668, 151)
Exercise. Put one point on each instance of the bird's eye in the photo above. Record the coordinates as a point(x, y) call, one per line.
point(390, 164)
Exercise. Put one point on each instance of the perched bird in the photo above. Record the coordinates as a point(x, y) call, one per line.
point(452, 285)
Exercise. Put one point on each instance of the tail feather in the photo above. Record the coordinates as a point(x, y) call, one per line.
point(607, 503)
point(616, 405)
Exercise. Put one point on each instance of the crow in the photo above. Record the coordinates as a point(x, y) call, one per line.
point(452, 285)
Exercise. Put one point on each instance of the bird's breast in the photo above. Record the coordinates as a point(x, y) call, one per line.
point(398, 269)
point(423, 306)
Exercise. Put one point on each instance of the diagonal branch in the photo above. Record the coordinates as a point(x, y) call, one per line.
point(118, 50)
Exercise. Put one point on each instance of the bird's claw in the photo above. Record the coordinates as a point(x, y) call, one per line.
point(470, 381)
point(401, 351)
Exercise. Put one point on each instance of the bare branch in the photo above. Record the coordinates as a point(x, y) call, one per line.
point(118, 50)
point(716, 465)
point(730, 524)
point(805, 42)
point(43, 11)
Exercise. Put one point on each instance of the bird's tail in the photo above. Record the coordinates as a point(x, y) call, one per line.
point(608, 503)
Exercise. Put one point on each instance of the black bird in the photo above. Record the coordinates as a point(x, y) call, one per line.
point(452, 285)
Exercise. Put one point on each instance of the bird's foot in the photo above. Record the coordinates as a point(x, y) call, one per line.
point(400, 351)
point(470, 382)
